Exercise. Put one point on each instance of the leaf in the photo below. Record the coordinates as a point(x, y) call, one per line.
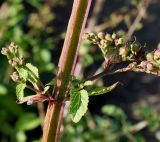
point(28, 121)
point(114, 111)
point(20, 91)
point(33, 74)
point(3, 90)
point(45, 89)
point(79, 104)
point(23, 73)
point(33, 69)
point(51, 83)
point(88, 83)
point(102, 90)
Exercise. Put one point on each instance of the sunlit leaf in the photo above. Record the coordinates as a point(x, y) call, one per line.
point(23, 73)
point(79, 104)
point(20, 91)
point(33, 74)
point(102, 90)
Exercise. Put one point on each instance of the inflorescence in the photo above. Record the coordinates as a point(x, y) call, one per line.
point(116, 50)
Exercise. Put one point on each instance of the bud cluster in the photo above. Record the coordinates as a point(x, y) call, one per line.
point(12, 53)
point(114, 47)
point(153, 60)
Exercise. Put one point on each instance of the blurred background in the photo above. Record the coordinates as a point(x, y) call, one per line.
point(131, 113)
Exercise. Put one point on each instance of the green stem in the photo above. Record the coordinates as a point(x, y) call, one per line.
point(80, 10)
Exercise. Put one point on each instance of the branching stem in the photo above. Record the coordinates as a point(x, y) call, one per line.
point(52, 124)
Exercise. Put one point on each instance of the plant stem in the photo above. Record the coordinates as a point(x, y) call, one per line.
point(80, 10)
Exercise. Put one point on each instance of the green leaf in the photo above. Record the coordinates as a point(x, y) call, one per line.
point(79, 103)
point(3, 90)
point(33, 74)
point(102, 90)
point(27, 122)
point(23, 73)
point(51, 83)
point(33, 69)
point(88, 83)
point(114, 111)
point(20, 91)
point(45, 89)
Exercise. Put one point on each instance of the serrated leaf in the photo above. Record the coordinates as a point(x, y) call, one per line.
point(20, 91)
point(33, 74)
point(33, 69)
point(79, 104)
point(102, 90)
point(23, 73)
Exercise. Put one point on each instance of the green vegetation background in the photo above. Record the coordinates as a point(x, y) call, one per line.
point(129, 114)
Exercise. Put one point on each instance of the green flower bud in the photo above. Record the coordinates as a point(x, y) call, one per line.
point(92, 35)
point(101, 35)
point(103, 43)
point(120, 41)
point(85, 36)
point(15, 76)
point(157, 55)
point(114, 36)
point(10, 62)
point(123, 51)
point(150, 56)
point(108, 37)
point(135, 47)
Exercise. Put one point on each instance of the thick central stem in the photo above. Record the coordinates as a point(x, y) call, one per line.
point(66, 65)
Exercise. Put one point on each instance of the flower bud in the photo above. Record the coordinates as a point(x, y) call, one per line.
point(13, 47)
point(123, 51)
point(116, 42)
point(108, 37)
point(21, 60)
point(85, 36)
point(135, 47)
point(101, 35)
point(157, 54)
point(10, 62)
point(120, 41)
point(150, 56)
point(150, 66)
point(4, 51)
point(92, 35)
point(114, 36)
point(15, 76)
point(14, 63)
point(103, 43)
point(143, 64)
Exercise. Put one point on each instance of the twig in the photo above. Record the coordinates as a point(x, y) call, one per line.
point(138, 18)
point(98, 7)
